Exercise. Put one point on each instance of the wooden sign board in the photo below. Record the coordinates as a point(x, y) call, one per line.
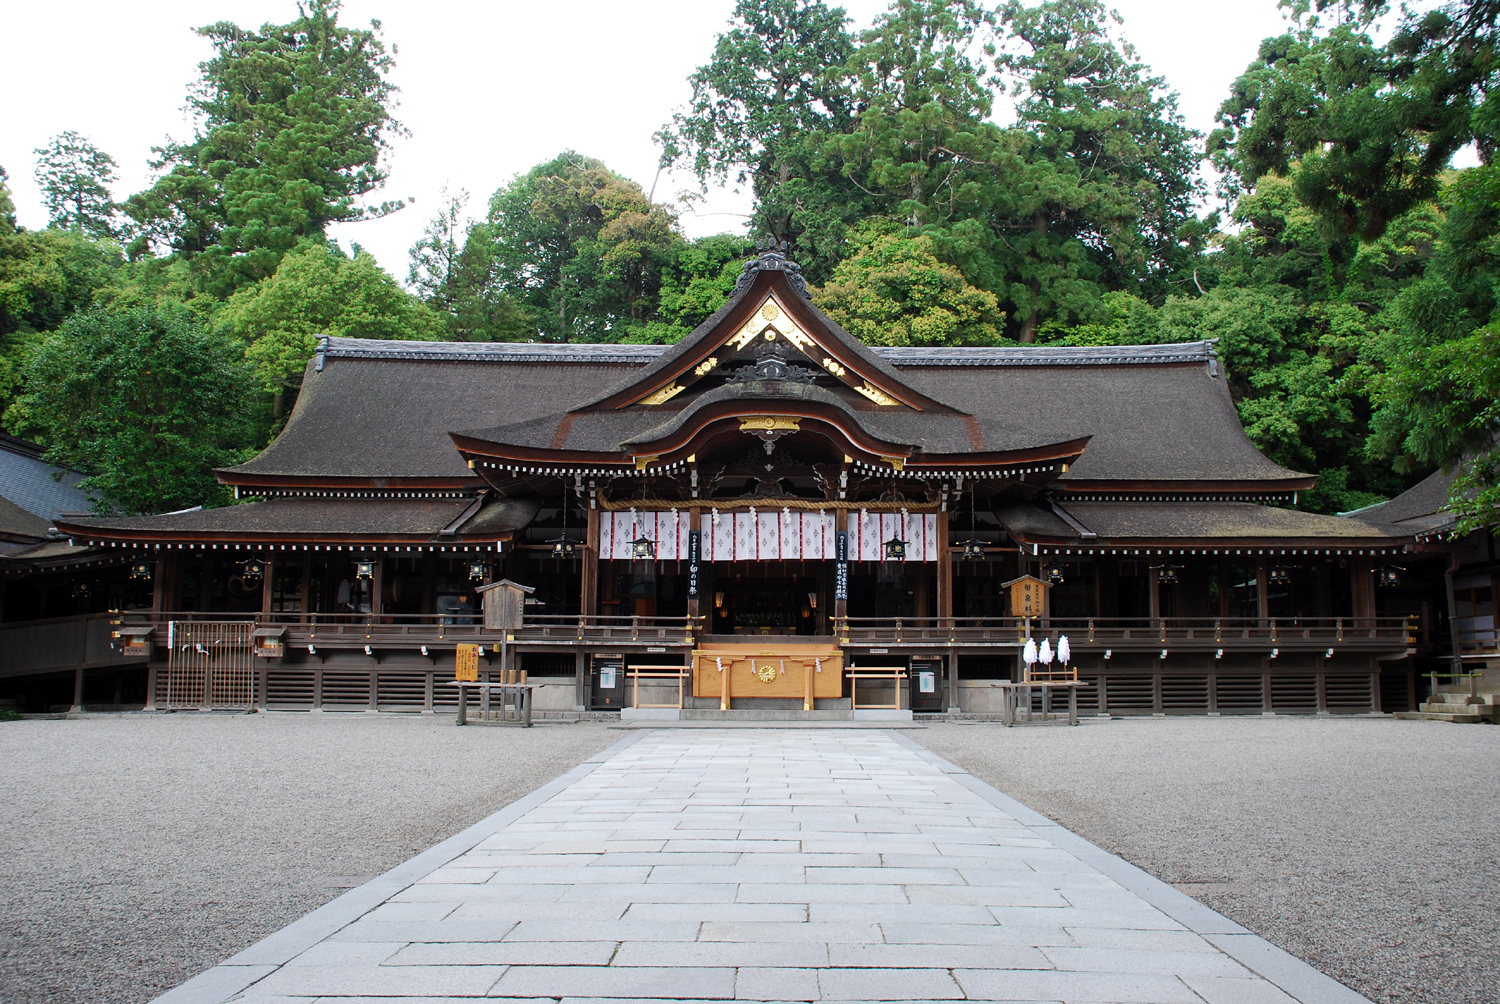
point(466, 663)
point(1028, 596)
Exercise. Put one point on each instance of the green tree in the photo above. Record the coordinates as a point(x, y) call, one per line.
point(578, 247)
point(318, 291)
point(7, 205)
point(293, 122)
point(1105, 199)
point(452, 270)
point(146, 402)
point(895, 291)
point(774, 85)
point(74, 176)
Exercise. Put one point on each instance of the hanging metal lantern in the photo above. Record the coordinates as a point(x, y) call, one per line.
point(252, 569)
point(140, 568)
point(1053, 573)
point(81, 590)
point(1280, 576)
point(477, 571)
point(1389, 577)
point(643, 547)
point(1166, 574)
point(364, 569)
point(895, 549)
point(973, 549)
point(563, 547)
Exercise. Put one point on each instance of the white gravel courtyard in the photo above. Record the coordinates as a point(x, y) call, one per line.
point(138, 850)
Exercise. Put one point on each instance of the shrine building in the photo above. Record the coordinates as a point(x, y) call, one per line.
point(784, 512)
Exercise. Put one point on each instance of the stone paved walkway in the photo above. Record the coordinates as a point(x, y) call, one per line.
point(770, 866)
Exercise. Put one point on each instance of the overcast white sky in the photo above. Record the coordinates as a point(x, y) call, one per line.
point(487, 89)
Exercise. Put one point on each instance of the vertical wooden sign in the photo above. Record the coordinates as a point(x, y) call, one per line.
point(466, 663)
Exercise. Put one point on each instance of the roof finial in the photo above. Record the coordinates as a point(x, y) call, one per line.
point(771, 256)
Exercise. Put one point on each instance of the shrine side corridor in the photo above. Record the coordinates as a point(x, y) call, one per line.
point(765, 865)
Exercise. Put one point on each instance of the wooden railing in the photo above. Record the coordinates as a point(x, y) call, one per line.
point(411, 631)
point(1142, 633)
point(62, 644)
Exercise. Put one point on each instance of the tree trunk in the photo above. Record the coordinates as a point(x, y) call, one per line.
point(1028, 327)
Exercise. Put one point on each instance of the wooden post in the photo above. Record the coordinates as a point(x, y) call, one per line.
point(944, 569)
point(589, 601)
point(724, 687)
point(267, 587)
point(306, 604)
point(580, 681)
point(1153, 578)
point(77, 708)
point(377, 586)
point(1262, 593)
point(807, 685)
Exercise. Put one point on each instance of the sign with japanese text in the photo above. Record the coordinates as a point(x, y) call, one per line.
point(466, 663)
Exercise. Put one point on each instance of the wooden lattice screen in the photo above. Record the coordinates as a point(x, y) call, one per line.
point(210, 665)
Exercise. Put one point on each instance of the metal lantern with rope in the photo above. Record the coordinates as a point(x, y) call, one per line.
point(643, 547)
point(564, 546)
point(895, 549)
point(477, 571)
point(364, 569)
point(1053, 573)
point(253, 569)
point(140, 568)
point(973, 549)
point(1388, 576)
point(1166, 574)
point(1279, 576)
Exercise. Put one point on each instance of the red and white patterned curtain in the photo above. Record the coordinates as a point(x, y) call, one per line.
point(770, 534)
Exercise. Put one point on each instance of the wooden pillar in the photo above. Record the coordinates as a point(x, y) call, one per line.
point(944, 569)
point(1153, 589)
point(590, 576)
point(206, 582)
point(77, 708)
point(580, 681)
point(306, 604)
point(159, 583)
point(1262, 594)
point(267, 587)
point(922, 593)
point(1362, 587)
point(377, 586)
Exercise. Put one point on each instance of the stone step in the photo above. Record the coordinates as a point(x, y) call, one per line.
point(1455, 708)
point(1424, 716)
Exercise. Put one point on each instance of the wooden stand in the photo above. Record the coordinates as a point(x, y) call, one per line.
point(522, 692)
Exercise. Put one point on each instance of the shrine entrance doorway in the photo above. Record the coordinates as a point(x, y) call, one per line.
point(757, 601)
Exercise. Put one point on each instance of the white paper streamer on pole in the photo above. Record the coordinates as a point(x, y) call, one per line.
point(1045, 653)
point(1064, 650)
point(1028, 654)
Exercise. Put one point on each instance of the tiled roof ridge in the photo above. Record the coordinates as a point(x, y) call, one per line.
point(590, 352)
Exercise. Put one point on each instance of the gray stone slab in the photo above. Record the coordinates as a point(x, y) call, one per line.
point(616, 981)
point(773, 866)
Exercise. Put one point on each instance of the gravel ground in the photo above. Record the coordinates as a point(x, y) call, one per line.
point(1369, 848)
point(138, 850)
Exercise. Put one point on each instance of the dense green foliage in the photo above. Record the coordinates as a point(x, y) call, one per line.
point(146, 370)
point(1350, 277)
point(144, 398)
